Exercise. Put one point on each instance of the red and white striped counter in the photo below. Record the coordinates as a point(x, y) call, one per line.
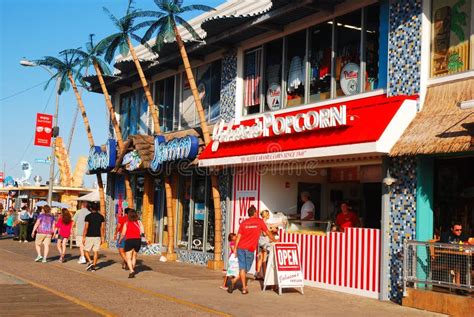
point(346, 262)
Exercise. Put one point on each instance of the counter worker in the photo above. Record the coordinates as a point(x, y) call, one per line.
point(347, 218)
point(307, 210)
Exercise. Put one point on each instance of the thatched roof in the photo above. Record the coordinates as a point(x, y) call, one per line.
point(441, 126)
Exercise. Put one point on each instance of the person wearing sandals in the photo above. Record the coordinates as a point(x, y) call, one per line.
point(118, 234)
point(43, 230)
point(63, 231)
point(132, 232)
point(246, 244)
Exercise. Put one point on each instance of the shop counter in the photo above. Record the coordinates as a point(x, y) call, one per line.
point(342, 261)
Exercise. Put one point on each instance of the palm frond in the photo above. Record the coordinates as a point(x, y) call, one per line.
point(141, 25)
point(104, 67)
point(154, 26)
point(147, 13)
point(112, 43)
point(188, 27)
point(123, 48)
point(50, 80)
point(112, 17)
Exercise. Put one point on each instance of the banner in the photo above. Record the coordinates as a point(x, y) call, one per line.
point(44, 129)
point(284, 267)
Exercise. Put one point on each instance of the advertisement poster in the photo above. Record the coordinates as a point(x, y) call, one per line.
point(44, 129)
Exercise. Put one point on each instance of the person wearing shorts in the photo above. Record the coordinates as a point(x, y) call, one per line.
point(246, 244)
point(118, 232)
point(132, 232)
point(93, 236)
point(79, 220)
point(63, 231)
point(43, 229)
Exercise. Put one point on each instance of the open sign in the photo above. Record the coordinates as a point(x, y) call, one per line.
point(287, 257)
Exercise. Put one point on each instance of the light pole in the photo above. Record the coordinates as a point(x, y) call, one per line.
point(28, 63)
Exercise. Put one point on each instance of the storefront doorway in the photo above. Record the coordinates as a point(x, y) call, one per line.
point(454, 194)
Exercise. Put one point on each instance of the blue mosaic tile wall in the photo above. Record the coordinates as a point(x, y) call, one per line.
point(402, 219)
point(194, 257)
point(228, 85)
point(404, 47)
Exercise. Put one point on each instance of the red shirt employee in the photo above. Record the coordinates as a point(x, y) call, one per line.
point(347, 218)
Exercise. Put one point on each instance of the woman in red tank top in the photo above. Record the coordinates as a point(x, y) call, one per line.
point(132, 232)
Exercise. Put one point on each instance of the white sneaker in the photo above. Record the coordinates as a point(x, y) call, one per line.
point(82, 260)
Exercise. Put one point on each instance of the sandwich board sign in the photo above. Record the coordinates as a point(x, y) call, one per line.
point(284, 267)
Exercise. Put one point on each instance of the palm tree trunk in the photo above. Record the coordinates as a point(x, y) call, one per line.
point(116, 126)
point(156, 130)
point(91, 140)
point(207, 139)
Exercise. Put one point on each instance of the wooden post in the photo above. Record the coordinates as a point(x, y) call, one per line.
point(170, 254)
point(147, 215)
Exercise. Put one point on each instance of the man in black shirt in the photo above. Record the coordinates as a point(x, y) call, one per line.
point(455, 236)
point(93, 236)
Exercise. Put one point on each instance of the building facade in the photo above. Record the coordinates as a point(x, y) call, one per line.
point(331, 98)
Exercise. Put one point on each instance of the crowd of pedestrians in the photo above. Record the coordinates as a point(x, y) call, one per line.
point(86, 227)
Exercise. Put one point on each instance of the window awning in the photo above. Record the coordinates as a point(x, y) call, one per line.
point(441, 126)
point(372, 126)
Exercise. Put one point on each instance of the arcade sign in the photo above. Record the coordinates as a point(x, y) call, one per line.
point(185, 148)
point(102, 158)
point(274, 125)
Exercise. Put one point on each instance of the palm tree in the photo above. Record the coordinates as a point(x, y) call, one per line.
point(91, 57)
point(122, 41)
point(65, 70)
point(165, 24)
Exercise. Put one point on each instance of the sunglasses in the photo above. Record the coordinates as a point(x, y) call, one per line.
point(457, 230)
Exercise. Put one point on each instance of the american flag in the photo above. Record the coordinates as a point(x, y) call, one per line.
point(252, 78)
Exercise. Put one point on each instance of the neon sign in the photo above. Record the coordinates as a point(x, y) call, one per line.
point(102, 158)
point(176, 149)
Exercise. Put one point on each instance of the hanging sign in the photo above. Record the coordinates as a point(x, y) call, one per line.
point(185, 148)
point(350, 79)
point(284, 267)
point(44, 129)
point(274, 96)
point(274, 125)
point(102, 158)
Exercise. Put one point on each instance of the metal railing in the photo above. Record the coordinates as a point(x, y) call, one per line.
point(438, 264)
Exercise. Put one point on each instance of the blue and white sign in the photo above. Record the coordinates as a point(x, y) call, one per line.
point(102, 158)
point(176, 149)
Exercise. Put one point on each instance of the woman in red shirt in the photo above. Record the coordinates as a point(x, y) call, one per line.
point(132, 231)
point(347, 218)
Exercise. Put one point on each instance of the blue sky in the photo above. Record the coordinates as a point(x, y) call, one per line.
point(33, 29)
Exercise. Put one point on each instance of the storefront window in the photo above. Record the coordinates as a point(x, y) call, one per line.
point(164, 96)
point(139, 185)
point(372, 35)
point(273, 67)
point(124, 114)
point(309, 57)
point(199, 215)
point(295, 69)
point(320, 61)
point(210, 218)
point(215, 94)
point(133, 113)
point(252, 76)
point(183, 213)
point(347, 64)
point(450, 33)
point(195, 214)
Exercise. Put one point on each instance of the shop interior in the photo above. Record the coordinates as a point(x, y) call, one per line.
point(359, 186)
point(454, 194)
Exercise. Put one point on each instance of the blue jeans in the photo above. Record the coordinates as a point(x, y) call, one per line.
point(245, 258)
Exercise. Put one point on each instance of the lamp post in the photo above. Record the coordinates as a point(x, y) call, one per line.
point(28, 63)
